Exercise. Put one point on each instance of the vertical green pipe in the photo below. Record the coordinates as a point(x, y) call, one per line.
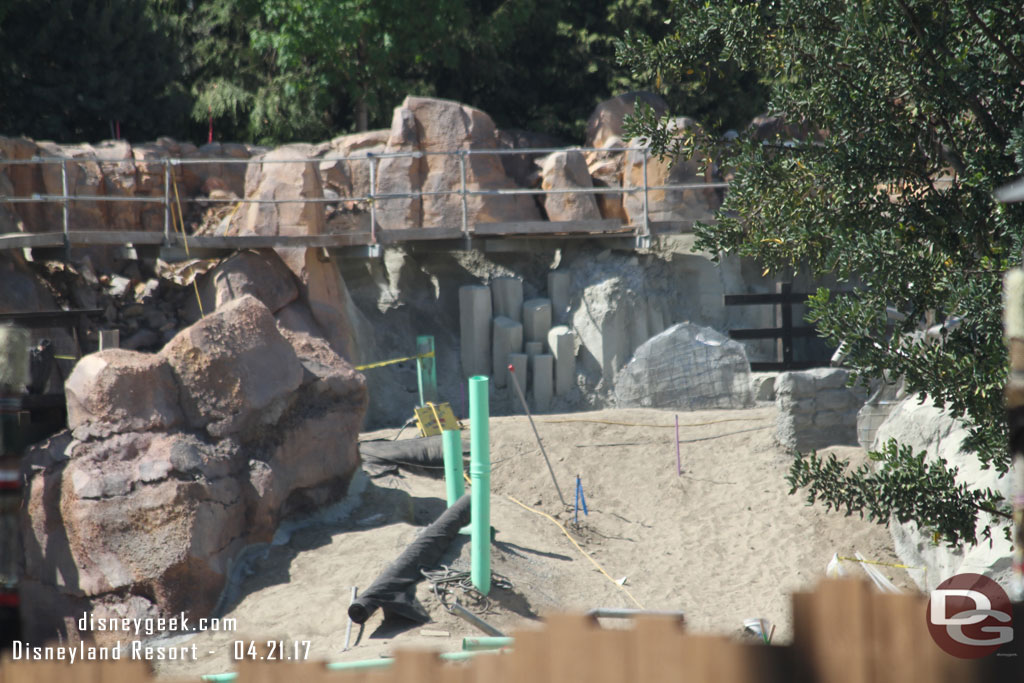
point(451, 440)
point(480, 477)
point(426, 370)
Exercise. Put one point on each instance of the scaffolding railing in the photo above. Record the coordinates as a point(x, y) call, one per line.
point(170, 196)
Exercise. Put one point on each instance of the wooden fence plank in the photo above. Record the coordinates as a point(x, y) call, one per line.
point(568, 635)
point(657, 656)
point(416, 666)
point(528, 659)
point(905, 650)
point(831, 632)
point(488, 669)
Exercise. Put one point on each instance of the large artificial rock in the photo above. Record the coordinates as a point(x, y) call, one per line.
point(147, 520)
point(924, 427)
point(522, 168)
point(606, 124)
point(261, 274)
point(692, 203)
point(120, 391)
point(686, 367)
point(277, 178)
point(428, 125)
point(816, 408)
point(345, 170)
point(567, 170)
point(234, 368)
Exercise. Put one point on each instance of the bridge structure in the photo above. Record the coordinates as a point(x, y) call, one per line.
point(174, 244)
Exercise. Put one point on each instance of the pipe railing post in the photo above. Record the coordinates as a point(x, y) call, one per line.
point(462, 192)
point(646, 233)
point(167, 203)
point(372, 160)
point(65, 212)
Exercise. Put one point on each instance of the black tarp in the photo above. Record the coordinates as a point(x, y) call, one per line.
point(391, 591)
point(385, 455)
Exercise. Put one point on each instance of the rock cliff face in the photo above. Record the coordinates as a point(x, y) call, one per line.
point(173, 462)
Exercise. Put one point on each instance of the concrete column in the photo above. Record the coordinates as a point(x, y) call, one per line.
point(507, 339)
point(558, 291)
point(519, 361)
point(541, 369)
point(507, 296)
point(536, 320)
point(562, 343)
point(533, 348)
point(475, 329)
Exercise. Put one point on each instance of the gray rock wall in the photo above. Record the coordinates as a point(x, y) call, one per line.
point(816, 409)
point(926, 428)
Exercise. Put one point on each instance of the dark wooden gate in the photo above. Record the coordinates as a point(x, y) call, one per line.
point(784, 298)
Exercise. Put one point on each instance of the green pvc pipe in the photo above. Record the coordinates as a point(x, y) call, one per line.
point(489, 643)
point(455, 487)
point(480, 477)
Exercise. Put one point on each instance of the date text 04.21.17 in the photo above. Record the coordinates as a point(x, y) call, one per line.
point(278, 650)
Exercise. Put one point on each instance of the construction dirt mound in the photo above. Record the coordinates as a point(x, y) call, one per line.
point(722, 541)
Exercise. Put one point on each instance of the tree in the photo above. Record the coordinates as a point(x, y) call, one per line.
point(78, 68)
point(919, 106)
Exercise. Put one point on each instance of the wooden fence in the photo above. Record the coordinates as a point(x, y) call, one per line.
point(844, 632)
point(784, 299)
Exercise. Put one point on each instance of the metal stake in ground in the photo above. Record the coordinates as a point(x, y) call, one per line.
point(522, 397)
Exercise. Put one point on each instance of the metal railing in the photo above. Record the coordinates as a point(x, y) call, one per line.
point(171, 196)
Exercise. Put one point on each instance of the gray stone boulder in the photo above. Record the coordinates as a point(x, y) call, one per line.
point(816, 409)
point(686, 367)
point(121, 391)
point(564, 171)
point(927, 428)
point(234, 368)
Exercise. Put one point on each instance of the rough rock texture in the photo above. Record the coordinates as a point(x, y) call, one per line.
point(121, 391)
point(564, 171)
point(686, 367)
point(260, 274)
point(424, 124)
point(816, 408)
point(926, 428)
point(605, 125)
point(147, 520)
point(235, 370)
point(345, 170)
point(115, 168)
point(278, 179)
point(668, 205)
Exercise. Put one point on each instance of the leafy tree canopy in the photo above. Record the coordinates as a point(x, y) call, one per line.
point(918, 108)
point(73, 70)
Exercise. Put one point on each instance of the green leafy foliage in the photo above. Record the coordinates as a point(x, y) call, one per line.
point(71, 69)
point(902, 485)
point(904, 116)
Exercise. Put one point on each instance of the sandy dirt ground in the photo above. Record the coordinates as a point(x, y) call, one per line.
point(721, 542)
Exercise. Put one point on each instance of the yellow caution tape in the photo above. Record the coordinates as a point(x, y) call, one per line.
point(881, 564)
point(582, 551)
point(65, 357)
point(369, 366)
